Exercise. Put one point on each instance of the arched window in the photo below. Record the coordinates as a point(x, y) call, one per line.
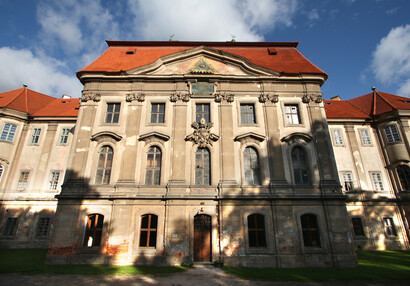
point(153, 169)
point(251, 166)
point(256, 230)
point(403, 171)
point(310, 230)
point(300, 166)
point(104, 165)
point(148, 233)
point(1, 171)
point(202, 167)
point(93, 231)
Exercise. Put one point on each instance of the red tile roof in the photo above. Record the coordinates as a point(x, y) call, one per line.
point(277, 56)
point(366, 106)
point(38, 104)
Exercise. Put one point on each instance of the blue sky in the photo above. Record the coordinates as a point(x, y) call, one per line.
point(359, 43)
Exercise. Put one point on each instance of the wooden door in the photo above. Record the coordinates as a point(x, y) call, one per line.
point(202, 238)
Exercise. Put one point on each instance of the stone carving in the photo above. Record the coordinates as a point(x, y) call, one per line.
point(179, 96)
point(223, 96)
point(307, 98)
point(131, 97)
point(268, 97)
point(88, 95)
point(202, 134)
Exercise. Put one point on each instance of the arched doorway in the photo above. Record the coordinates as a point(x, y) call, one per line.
point(202, 238)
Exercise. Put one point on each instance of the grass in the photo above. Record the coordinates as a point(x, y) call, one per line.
point(31, 261)
point(380, 265)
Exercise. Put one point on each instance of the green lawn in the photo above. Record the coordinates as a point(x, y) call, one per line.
point(380, 265)
point(31, 261)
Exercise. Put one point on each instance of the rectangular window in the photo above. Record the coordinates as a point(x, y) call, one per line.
point(248, 114)
point(292, 114)
point(43, 226)
point(158, 113)
point(357, 226)
point(337, 137)
point(377, 181)
point(35, 136)
point(8, 133)
point(365, 136)
point(347, 181)
point(113, 112)
point(10, 227)
point(389, 228)
point(202, 111)
point(54, 178)
point(392, 134)
point(22, 183)
point(64, 136)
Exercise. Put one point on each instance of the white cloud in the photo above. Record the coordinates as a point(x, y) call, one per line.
point(42, 74)
point(391, 59)
point(211, 20)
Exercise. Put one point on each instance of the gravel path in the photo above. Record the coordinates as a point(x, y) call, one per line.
point(198, 276)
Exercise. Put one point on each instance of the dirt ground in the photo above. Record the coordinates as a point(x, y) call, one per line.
point(198, 276)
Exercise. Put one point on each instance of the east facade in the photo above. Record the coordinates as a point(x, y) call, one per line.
point(204, 151)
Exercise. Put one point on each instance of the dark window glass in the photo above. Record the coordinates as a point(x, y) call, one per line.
point(300, 167)
point(10, 227)
point(202, 167)
point(256, 230)
point(202, 111)
point(148, 234)
point(9, 130)
point(93, 232)
point(310, 230)
point(158, 113)
point(392, 134)
point(251, 166)
point(104, 165)
point(113, 112)
point(64, 135)
point(153, 169)
point(248, 114)
point(389, 227)
point(403, 172)
point(357, 226)
point(43, 226)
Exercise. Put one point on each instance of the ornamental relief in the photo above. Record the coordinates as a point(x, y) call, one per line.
point(132, 96)
point(89, 95)
point(179, 96)
point(306, 98)
point(224, 96)
point(264, 97)
point(202, 134)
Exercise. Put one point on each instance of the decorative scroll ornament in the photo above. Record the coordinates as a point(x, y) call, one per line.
point(202, 134)
point(179, 96)
point(307, 98)
point(88, 95)
point(268, 97)
point(131, 97)
point(223, 96)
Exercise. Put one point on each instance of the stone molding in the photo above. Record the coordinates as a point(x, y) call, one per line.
point(264, 97)
point(90, 95)
point(202, 134)
point(132, 96)
point(219, 97)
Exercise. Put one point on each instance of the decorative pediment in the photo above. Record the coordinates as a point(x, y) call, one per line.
point(106, 136)
point(250, 137)
point(153, 136)
point(297, 138)
point(4, 161)
point(202, 61)
point(202, 134)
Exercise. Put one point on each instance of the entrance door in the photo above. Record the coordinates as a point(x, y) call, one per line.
point(202, 238)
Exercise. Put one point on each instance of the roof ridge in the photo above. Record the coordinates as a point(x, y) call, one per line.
point(354, 106)
point(16, 97)
point(387, 101)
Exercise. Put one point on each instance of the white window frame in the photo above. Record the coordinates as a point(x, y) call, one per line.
point(23, 180)
point(377, 181)
point(347, 181)
point(392, 133)
point(365, 137)
point(9, 132)
point(35, 136)
point(65, 132)
point(247, 113)
point(337, 137)
point(292, 114)
point(55, 176)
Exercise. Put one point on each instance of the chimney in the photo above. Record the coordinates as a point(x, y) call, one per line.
point(65, 96)
point(337, 97)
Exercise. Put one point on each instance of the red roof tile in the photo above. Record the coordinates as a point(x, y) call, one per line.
point(287, 58)
point(343, 109)
point(38, 104)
